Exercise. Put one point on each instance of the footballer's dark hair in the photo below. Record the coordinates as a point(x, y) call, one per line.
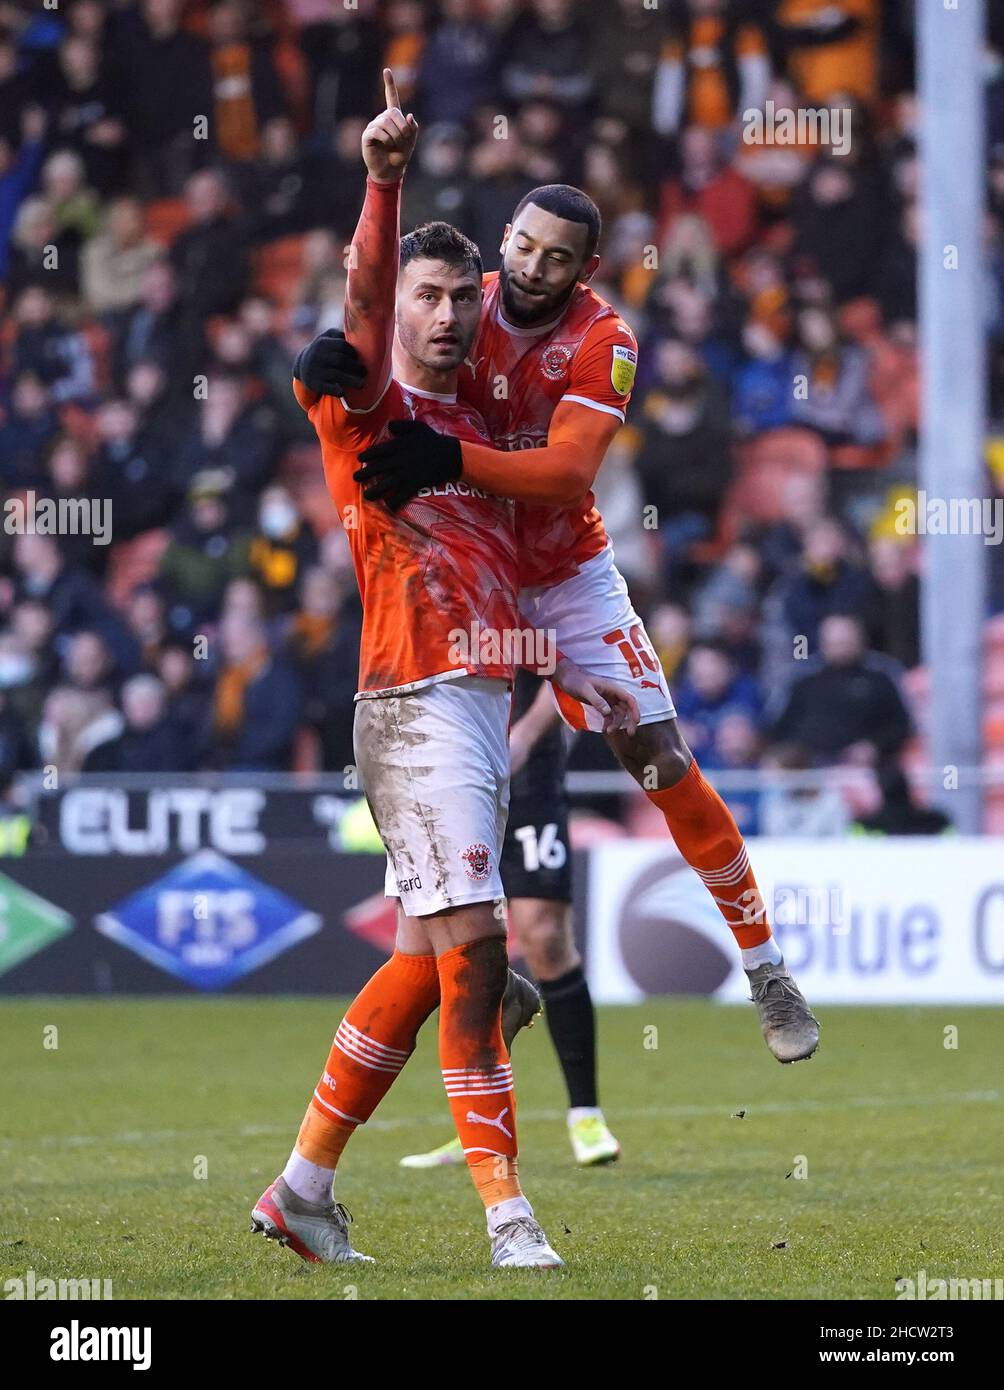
point(438, 241)
point(562, 200)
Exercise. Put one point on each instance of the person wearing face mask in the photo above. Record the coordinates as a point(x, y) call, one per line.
point(282, 550)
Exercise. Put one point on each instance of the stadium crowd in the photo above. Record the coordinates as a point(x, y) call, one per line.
point(177, 185)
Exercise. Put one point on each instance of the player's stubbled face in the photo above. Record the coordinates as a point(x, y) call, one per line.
point(542, 257)
point(438, 308)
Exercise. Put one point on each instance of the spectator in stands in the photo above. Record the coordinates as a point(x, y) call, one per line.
point(626, 44)
point(155, 330)
point(669, 629)
point(149, 741)
point(256, 702)
point(713, 67)
point(547, 55)
point(210, 255)
point(762, 396)
point(132, 471)
point(35, 666)
point(204, 554)
point(246, 90)
point(439, 188)
point(278, 189)
point(146, 622)
point(736, 748)
point(282, 550)
point(321, 640)
point(40, 253)
point(20, 161)
point(86, 115)
point(712, 190)
point(189, 697)
point(684, 462)
point(73, 596)
point(893, 619)
point(75, 207)
point(48, 349)
point(839, 218)
point(162, 73)
point(15, 751)
point(830, 48)
point(899, 813)
point(74, 724)
point(464, 45)
point(809, 812)
point(88, 663)
point(712, 688)
point(29, 426)
point(848, 705)
point(827, 582)
point(832, 393)
point(343, 51)
point(69, 482)
point(231, 433)
point(114, 263)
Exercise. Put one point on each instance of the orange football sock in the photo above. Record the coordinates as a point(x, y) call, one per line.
point(476, 1069)
point(374, 1040)
point(709, 840)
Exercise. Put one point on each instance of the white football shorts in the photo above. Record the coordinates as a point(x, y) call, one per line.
point(435, 769)
point(591, 619)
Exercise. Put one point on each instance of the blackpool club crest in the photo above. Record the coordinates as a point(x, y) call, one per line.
point(554, 361)
point(478, 860)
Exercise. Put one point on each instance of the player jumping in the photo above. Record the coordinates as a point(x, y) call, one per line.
point(430, 728)
point(551, 371)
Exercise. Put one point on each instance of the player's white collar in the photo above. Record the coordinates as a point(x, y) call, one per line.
point(527, 332)
point(428, 395)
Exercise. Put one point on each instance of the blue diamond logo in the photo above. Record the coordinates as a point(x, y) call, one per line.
point(208, 921)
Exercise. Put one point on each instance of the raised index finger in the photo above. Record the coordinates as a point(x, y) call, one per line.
point(390, 91)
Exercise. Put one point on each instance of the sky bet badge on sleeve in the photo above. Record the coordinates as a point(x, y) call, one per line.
point(208, 921)
point(622, 369)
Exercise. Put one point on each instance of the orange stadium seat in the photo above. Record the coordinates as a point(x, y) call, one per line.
point(278, 268)
point(166, 218)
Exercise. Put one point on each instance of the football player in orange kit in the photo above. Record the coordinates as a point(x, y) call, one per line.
point(551, 371)
point(431, 727)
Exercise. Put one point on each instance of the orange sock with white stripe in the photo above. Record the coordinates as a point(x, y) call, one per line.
point(374, 1040)
point(709, 840)
point(476, 1069)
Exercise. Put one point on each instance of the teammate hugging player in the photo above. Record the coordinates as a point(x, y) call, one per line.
point(567, 362)
point(430, 734)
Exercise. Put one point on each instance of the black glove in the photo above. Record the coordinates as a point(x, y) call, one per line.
point(415, 457)
point(330, 366)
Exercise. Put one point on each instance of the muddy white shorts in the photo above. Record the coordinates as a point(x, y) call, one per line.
point(435, 769)
point(591, 619)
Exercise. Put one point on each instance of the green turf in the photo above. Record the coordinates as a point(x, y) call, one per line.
point(904, 1142)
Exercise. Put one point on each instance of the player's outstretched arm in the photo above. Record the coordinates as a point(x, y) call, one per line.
point(558, 474)
point(387, 145)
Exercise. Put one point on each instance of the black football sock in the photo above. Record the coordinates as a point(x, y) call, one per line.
point(571, 1021)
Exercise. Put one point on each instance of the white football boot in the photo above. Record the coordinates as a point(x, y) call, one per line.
point(519, 1243)
point(318, 1232)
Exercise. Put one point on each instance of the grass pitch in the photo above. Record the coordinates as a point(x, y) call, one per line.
point(901, 1141)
